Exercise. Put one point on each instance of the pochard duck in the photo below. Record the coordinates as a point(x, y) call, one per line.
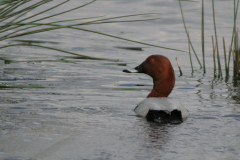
point(158, 106)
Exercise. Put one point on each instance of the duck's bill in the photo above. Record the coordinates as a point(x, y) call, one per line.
point(138, 69)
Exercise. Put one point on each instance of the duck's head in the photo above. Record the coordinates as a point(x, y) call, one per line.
point(160, 69)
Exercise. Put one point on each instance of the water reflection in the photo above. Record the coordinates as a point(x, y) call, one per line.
point(234, 90)
point(156, 134)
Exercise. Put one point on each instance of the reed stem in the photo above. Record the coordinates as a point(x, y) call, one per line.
point(190, 54)
point(218, 57)
point(202, 31)
point(225, 58)
point(229, 57)
point(235, 45)
point(147, 44)
point(234, 28)
point(237, 53)
point(234, 67)
point(179, 67)
point(188, 36)
point(214, 61)
point(33, 45)
point(233, 55)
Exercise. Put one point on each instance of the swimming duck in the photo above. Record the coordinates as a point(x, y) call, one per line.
point(158, 106)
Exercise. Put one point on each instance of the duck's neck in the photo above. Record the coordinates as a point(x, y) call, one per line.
point(162, 86)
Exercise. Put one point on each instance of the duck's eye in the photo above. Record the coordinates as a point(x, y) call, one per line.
point(151, 60)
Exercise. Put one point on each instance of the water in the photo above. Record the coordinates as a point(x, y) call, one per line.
point(57, 106)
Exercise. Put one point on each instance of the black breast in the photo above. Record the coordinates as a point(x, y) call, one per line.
point(174, 117)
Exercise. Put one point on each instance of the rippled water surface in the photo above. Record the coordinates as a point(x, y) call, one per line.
point(59, 106)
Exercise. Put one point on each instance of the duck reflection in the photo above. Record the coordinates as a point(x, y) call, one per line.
point(156, 135)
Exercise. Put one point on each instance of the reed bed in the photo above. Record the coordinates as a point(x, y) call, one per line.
point(233, 49)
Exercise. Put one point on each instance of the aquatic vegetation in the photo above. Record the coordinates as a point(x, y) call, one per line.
point(16, 23)
point(234, 40)
point(189, 41)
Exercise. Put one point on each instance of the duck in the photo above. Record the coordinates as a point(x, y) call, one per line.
point(158, 106)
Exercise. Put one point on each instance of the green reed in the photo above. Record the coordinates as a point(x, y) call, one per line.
point(190, 57)
point(202, 33)
point(14, 22)
point(214, 59)
point(234, 41)
point(225, 58)
point(215, 30)
point(188, 35)
point(216, 55)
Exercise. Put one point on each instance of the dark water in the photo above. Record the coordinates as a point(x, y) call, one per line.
point(57, 106)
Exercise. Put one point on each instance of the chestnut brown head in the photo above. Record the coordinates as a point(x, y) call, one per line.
point(160, 69)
